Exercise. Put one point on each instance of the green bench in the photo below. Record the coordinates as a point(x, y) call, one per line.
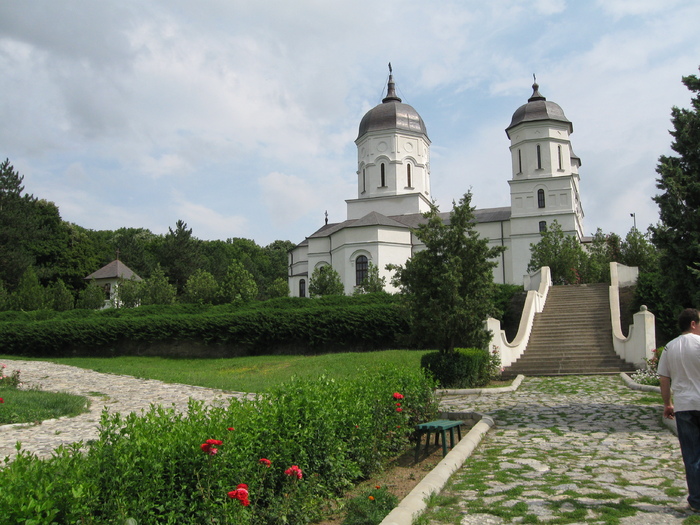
point(440, 428)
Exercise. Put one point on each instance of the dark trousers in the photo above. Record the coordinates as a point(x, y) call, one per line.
point(688, 425)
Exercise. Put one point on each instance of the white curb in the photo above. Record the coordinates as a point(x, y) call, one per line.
point(415, 502)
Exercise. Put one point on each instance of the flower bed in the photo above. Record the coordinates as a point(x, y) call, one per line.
point(275, 459)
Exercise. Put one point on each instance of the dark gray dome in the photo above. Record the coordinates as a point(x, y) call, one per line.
point(538, 108)
point(392, 114)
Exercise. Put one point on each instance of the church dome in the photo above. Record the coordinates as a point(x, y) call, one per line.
point(538, 108)
point(392, 114)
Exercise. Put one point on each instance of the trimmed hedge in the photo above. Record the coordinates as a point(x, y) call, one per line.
point(463, 368)
point(277, 326)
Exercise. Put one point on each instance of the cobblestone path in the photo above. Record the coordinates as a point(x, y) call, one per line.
point(581, 449)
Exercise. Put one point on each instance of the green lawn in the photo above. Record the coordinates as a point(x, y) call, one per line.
point(28, 406)
point(242, 374)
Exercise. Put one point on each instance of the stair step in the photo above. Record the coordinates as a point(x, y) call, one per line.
point(572, 335)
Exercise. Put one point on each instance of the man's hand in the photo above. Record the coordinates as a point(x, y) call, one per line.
point(669, 413)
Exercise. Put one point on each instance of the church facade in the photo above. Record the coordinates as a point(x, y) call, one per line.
point(393, 192)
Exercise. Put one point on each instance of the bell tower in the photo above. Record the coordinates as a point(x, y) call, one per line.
point(393, 160)
point(544, 185)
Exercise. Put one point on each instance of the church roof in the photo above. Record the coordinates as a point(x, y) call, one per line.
point(409, 221)
point(392, 114)
point(114, 270)
point(538, 108)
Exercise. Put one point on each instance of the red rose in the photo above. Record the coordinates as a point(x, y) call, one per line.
point(231, 428)
point(397, 395)
point(399, 409)
point(294, 471)
point(265, 462)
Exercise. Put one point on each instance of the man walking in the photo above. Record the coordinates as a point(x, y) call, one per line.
point(680, 366)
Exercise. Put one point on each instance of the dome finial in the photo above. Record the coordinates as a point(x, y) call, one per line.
point(535, 91)
point(391, 88)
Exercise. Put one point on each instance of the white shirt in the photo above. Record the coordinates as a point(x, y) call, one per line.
point(680, 361)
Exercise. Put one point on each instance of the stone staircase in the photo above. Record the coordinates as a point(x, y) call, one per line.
point(572, 335)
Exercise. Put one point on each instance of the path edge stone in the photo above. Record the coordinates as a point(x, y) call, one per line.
point(414, 504)
point(668, 423)
point(499, 390)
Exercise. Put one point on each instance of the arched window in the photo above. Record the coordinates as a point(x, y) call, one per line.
point(361, 267)
point(364, 180)
point(539, 157)
point(543, 226)
point(382, 176)
point(540, 198)
point(559, 154)
point(408, 176)
point(302, 288)
point(520, 162)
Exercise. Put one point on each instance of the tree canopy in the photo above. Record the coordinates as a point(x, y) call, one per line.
point(678, 232)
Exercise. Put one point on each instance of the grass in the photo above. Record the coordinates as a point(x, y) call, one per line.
point(244, 374)
point(29, 406)
point(241, 374)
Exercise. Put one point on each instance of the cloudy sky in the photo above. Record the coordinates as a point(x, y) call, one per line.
point(239, 116)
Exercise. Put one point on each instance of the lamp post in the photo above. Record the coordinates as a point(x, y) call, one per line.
point(634, 218)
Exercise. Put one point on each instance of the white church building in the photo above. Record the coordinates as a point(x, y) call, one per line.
point(393, 191)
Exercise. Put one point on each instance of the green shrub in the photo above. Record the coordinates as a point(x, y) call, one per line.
point(463, 368)
point(371, 507)
point(153, 468)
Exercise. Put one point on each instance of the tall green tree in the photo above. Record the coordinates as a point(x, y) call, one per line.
point(678, 233)
point(325, 281)
point(180, 255)
point(449, 285)
point(17, 225)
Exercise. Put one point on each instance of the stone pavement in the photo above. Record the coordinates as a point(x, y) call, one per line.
point(579, 449)
point(117, 393)
point(576, 450)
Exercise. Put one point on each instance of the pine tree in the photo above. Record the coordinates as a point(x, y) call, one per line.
point(678, 233)
point(449, 286)
point(325, 281)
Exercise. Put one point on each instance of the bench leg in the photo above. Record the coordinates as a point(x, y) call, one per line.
point(444, 443)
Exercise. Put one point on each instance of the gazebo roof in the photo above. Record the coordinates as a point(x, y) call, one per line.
point(114, 270)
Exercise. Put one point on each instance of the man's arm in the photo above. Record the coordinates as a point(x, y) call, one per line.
point(666, 396)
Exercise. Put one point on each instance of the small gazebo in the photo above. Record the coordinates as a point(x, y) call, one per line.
point(108, 278)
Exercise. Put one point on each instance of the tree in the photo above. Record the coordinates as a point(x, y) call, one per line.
point(180, 254)
point(561, 252)
point(92, 297)
point(4, 298)
point(17, 225)
point(325, 281)
point(129, 293)
point(372, 282)
point(449, 285)
point(157, 289)
point(201, 288)
point(30, 295)
point(238, 286)
point(278, 288)
point(637, 250)
point(678, 233)
point(59, 297)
